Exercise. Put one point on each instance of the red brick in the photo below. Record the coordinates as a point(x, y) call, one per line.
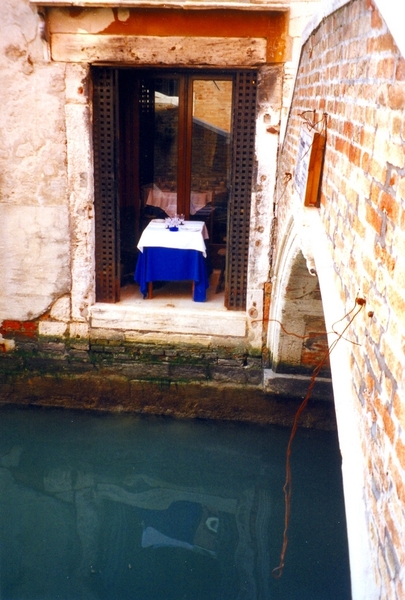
point(376, 20)
point(400, 451)
point(341, 145)
point(395, 154)
point(367, 139)
point(359, 227)
point(381, 43)
point(400, 587)
point(397, 122)
point(400, 72)
point(399, 483)
point(382, 93)
point(348, 129)
point(384, 257)
point(378, 171)
point(399, 409)
point(19, 328)
point(370, 116)
point(392, 528)
point(397, 302)
point(369, 267)
point(375, 192)
point(396, 96)
point(355, 155)
point(386, 68)
point(373, 218)
point(9, 325)
point(365, 161)
point(393, 180)
point(389, 205)
point(389, 426)
point(29, 328)
point(401, 187)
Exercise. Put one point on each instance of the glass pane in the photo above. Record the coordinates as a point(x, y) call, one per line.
point(210, 163)
point(160, 191)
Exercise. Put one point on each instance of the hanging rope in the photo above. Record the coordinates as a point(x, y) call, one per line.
point(287, 489)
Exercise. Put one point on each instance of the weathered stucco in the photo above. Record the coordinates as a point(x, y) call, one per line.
point(34, 215)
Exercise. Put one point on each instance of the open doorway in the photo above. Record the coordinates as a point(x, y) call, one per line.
point(174, 155)
point(166, 143)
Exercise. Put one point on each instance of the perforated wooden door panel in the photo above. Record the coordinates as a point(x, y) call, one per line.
point(105, 148)
point(243, 156)
point(146, 126)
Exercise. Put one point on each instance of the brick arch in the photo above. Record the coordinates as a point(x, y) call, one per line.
point(296, 308)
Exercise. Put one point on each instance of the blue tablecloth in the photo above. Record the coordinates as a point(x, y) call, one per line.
point(167, 264)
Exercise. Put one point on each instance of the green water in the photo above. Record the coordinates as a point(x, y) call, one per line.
point(117, 507)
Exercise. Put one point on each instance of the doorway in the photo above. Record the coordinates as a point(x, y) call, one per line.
point(166, 143)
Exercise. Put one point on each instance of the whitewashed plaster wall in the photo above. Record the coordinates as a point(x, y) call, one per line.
point(269, 114)
point(34, 215)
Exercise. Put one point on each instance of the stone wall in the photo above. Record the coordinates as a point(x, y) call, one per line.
point(34, 215)
point(352, 74)
point(108, 372)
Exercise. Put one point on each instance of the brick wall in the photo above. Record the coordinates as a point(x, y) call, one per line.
point(352, 70)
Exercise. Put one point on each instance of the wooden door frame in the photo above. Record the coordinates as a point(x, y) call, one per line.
point(106, 178)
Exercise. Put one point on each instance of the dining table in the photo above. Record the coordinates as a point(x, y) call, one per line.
point(166, 255)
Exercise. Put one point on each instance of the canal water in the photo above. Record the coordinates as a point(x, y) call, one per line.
point(117, 507)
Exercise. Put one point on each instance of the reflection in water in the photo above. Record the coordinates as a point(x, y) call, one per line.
point(106, 507)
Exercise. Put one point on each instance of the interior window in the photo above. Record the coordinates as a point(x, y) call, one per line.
point(210, 152)
point(186, 150)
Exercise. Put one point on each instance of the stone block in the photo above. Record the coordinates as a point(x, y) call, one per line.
point(188, 372)
point(60, 310)
point(10, 363)
point(79, 330)
point(83, 346)
point(230, 362)
point(52, 328)
point(52, 347)
point(296, 386)
point(39, 262)
point(253, 376)
point(170, 353)
point(78, 366)
point(211, 356)
point(28, 347)
point(141, 370)
point(154, 352)
point(102, 335)
point(228, 374)
point(79, 355)
point(114, 349)
point(47, 365)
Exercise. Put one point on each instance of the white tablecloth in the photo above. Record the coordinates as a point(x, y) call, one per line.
point(167, 201)
point(190, 236)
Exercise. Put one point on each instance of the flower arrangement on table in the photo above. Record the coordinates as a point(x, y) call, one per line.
point(172, 223)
